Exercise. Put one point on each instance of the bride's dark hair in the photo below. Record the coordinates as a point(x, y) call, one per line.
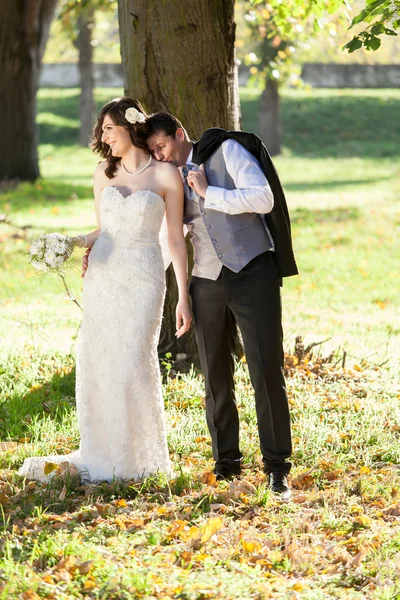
point(116, 109)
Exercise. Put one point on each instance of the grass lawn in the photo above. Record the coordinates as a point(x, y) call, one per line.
point(194, 538)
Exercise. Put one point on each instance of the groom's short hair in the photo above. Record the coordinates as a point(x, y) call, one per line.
point(163, 122)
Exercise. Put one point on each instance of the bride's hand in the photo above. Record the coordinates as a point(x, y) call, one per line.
point(183, 318)
point(85, 262)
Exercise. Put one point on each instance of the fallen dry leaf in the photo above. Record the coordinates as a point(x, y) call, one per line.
point(212, 526)
point(49, 467)
point(67, 563)
point(30, 595)
point(103, 509)
point(89, 585)
point(121, 503)
point(299, 498)
point(239, 488)
point(359, 557)
point(303, 480)
point(251, 546)
point(393, 511)
point(85, 567)
point(208, 478)
point(63, 494)
point(176, 527)
point(8, 446)
point(63, 575)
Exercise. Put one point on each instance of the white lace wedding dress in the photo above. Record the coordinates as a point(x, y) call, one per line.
point(118, 387)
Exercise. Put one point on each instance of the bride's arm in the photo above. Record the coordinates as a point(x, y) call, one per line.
point(100, 181)
point(176, 243)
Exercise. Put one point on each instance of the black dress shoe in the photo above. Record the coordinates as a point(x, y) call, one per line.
point(279, 484)
point(227, 469)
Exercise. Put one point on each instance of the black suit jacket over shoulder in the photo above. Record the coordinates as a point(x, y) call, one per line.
point(278, 220)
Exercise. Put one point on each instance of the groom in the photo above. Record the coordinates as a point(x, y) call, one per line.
point(238, 221)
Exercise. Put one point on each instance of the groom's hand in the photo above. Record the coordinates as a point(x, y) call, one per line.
point(85, 262)
point(198, 181)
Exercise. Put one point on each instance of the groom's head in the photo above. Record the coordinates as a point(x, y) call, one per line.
point(167, 139)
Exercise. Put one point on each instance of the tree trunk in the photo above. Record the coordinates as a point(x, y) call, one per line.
point(270, 124)
point(85, 48)
point(179, 57)
point(24, 29)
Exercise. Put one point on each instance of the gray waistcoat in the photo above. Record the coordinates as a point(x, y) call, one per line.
point(218, 238)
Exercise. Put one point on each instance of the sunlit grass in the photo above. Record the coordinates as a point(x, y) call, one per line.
point(193, 538)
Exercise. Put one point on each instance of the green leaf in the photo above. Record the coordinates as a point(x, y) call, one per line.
point(362, 16)
point(390, 32)
point(372, 43)
point(377, 29)
point(366, 14)
point(354, 44)
point(317, 25)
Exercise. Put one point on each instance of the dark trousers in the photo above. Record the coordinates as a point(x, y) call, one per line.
point(250, 298)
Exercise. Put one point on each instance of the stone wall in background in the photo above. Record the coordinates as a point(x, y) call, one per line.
point(314, 74)
point(67, 75)
point(351, 76)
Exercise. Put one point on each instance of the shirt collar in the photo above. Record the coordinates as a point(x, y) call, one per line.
point(189, 159)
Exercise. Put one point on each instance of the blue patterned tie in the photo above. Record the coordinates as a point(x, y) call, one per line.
point(190, 193)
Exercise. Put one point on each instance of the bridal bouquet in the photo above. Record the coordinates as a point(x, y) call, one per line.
point(50, 251)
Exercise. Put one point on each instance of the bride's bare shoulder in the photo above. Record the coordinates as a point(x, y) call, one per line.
point(166, 170)
point(101, 167)
point(165, 167)
point(100, 172)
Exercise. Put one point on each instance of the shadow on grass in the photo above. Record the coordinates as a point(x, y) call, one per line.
point(58, 115)
point(44, 193)
point(334, 126)
point(314, 126)
point(305, 216)
point(341, 126)
point(309, 186)
point(53, 399)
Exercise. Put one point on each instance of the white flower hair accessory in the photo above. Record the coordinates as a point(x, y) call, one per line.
point(134, 116)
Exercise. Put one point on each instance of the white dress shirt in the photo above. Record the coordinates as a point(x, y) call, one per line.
point(252, 194)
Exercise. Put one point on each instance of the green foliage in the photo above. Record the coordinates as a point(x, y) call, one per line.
point(71, 10)
point(275, 30)
point(383, 18)
point(105, 32)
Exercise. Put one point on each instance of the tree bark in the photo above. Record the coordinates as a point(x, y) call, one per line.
point(24, 29)
point(85, 48)
point(270, 124)
point(179, 57)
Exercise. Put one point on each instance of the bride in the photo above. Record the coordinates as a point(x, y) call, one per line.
point(118, 387)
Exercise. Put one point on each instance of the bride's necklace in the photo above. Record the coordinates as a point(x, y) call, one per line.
point(136, 172)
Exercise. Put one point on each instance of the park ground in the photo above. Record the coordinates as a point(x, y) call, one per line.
point(193, 537)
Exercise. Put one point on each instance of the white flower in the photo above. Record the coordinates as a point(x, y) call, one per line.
point(49, 258)
point(37, 246)
point(39, 266)
point(134, 116)
point(50, 251)
point(58, 261)
point(57, 247)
